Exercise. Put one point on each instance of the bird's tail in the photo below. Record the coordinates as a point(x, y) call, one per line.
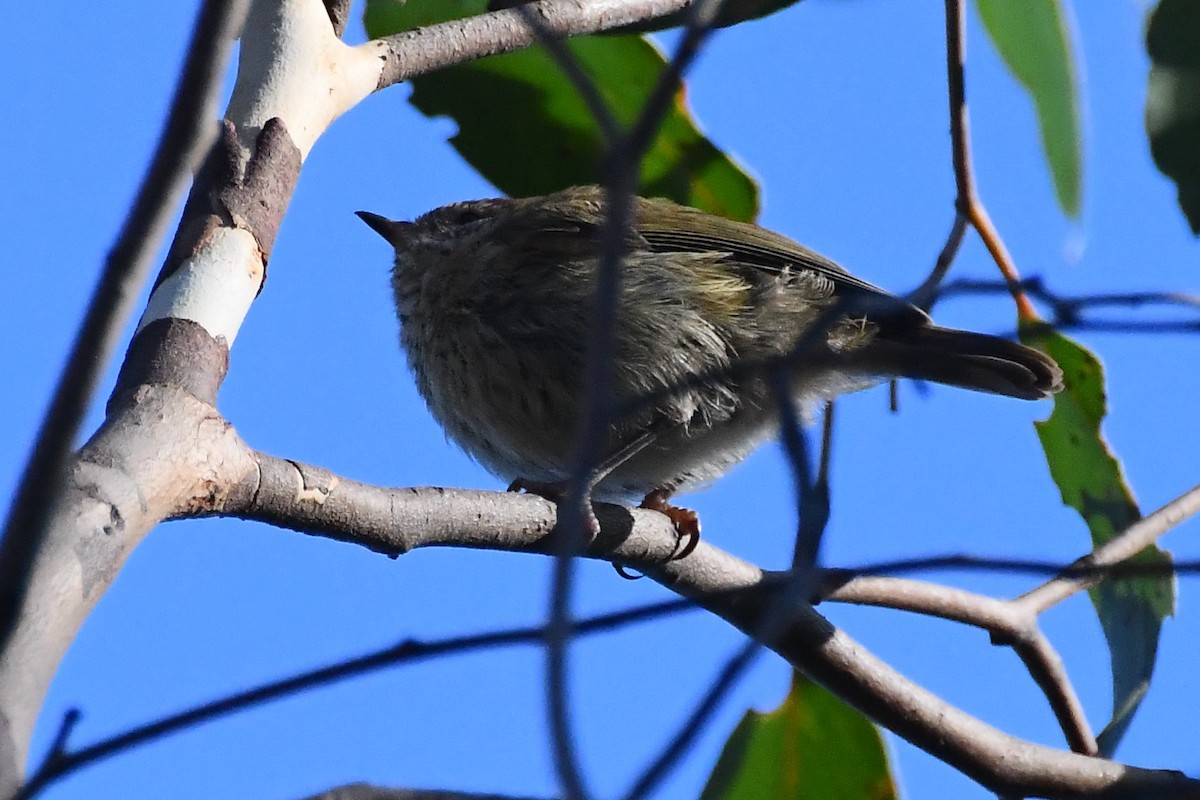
point(960, 358)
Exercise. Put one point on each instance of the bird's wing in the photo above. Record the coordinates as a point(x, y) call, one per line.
point(691, 231)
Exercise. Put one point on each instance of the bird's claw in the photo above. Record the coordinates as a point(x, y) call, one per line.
point(685, 521)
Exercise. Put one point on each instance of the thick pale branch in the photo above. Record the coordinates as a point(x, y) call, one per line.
point(182, 146)
point(393, 521)
point(297, 69)
point(168, 454)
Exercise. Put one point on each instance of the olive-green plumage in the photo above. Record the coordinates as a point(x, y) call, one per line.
point(495, 298)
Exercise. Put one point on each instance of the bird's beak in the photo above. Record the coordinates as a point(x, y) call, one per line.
point(393, 231)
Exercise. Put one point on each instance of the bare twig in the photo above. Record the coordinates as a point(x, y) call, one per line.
point(1031, 566)
point(813, 490)
point(62, 761)
point(366, 791)
point(658, 770)
point(1123, 546)
point(701, 19)
point(1069, 311)
point(435, 47)
point(185, 139)
point(930, 291)
point(968, 208)
point(1007, 622)
point(1015, 622)
point(1047, 669)
point(621, 182)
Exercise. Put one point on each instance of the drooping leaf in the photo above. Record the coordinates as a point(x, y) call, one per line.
point(1131, 609)
point(1033, 38)
point(1173, 99)
point(813, 747)
point(524, 126)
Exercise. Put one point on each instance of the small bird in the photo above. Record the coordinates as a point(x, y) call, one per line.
point(495, 300)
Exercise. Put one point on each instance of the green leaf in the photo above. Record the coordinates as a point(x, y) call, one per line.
point(1173, 99)
point(812, 746)
point(1131, 610)
point(1034, 40)
point(523, 125)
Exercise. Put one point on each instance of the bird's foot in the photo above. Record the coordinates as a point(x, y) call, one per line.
point(685, 520)
point(556, 492)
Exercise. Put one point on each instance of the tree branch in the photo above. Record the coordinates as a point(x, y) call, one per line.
point(406, 55)
point(738, 592)
point(365, 791)
point(968, 208)
point(1120, 548)
point(735, 667)
point(184, 140)
point(63, 761)
point(1008, 622)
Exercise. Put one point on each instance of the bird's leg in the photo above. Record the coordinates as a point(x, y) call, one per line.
point(556, 491)
point(624, 453)
point(685, 521)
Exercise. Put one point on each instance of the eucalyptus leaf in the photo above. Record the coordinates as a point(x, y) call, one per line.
point(813, 747)
point(523, 125)
point(1131, 609)
point(1033, 38)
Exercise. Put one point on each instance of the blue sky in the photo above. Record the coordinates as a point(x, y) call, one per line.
point(839, 109)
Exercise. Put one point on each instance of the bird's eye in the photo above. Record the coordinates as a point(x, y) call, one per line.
point(467, 215)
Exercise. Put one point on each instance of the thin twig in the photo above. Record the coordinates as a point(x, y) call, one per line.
point(702, 16)
point(995, 245)
point(1046, 667)
point(1008, 623)
point(1068, 311)
point(1117, 550)
point(930, 291)
point(575, 515)
point(61, 762)
point(967, 205)
point(670, 757)
point(920, 597)
point(557, 680)
point(1014, 622)
point(960, 152)
point(184, 141)
point(812, 496)
point(1030, 566)
point(620, 183)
